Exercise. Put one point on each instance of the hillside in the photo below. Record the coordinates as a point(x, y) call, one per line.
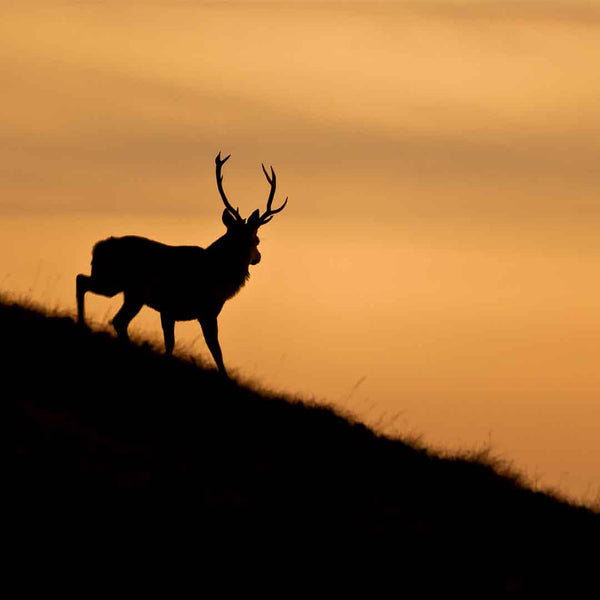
point(94, 415)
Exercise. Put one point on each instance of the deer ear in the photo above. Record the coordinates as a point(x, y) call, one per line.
point(228, 219)
point(254, 219)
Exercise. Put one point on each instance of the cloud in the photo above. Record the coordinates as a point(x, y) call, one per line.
point(455, 111)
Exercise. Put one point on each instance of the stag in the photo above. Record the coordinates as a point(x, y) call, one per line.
point(182, 283)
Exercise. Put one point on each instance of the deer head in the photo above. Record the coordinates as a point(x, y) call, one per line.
point(245, 230)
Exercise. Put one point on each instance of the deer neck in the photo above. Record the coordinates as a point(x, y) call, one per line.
point(230, 268)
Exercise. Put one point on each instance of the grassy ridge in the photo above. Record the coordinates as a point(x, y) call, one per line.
point(96, 415)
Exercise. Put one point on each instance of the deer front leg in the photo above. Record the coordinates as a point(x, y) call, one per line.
point(210, 330)
point(168, 327)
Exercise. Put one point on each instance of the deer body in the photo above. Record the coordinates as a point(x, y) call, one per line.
point(180, 282)
point(184, 282)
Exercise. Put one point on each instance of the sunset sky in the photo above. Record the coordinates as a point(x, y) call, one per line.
point(436, 269)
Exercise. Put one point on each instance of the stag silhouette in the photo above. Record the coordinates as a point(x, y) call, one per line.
point(182, 283)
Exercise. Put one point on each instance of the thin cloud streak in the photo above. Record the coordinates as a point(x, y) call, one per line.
point(110, 107)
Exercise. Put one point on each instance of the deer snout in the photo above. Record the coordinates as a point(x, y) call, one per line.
point(255, 257)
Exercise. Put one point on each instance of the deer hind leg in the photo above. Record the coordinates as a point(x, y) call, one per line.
point(131, 307)
point(168, 327)
point(85, 283)
point(82, 284)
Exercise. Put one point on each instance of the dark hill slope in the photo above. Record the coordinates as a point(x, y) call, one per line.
point(96, 415)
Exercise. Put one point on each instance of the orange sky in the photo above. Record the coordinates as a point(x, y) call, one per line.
point(440, 247)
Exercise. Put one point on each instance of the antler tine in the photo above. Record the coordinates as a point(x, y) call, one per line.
point(268, 214)
point(273, 182)
point(219, 162)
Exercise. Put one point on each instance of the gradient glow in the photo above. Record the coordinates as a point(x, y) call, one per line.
point(435, 270)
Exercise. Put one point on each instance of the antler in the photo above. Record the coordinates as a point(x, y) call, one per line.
point(220, 162)
point(268, 214)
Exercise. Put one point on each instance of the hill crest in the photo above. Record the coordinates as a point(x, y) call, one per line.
point(96, 414)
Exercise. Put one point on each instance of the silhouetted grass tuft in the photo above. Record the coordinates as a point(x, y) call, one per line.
point(226, 462)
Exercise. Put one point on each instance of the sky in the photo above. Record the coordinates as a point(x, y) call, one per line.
point(423, 105)
point(434, 270)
